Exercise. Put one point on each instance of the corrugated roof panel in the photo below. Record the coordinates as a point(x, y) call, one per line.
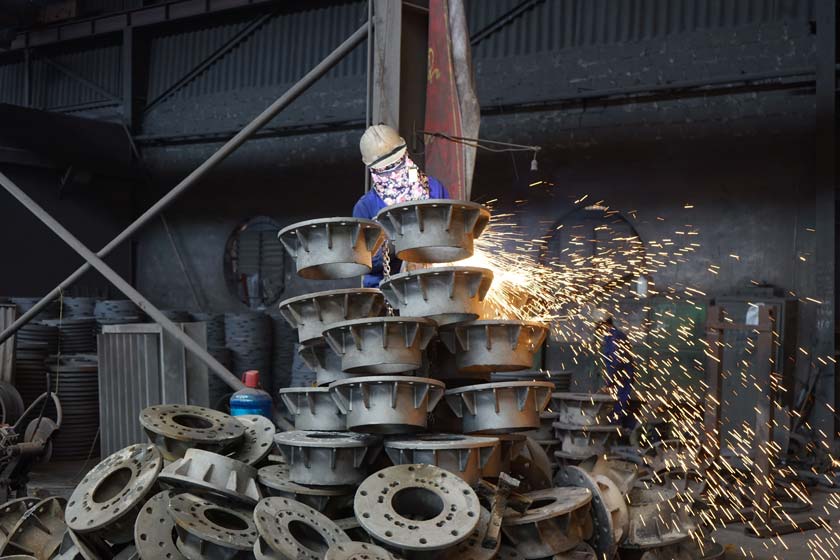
point(12, 78)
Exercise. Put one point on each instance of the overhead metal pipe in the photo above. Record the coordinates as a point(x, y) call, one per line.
point(230, 146)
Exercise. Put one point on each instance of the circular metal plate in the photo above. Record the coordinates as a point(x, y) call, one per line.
point(417, 507)
point(204, 526)
point(170, 426)
point(472, 549)
point(154, 530)
point(603, 537)
point(294, 530)
point(258, 440)
point(550, 503)
point(357, 551)
point(114, 488)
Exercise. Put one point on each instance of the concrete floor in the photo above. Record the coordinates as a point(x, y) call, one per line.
point(59, 479)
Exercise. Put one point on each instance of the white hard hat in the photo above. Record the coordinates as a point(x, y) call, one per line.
point(600, 316)
point(381, 146)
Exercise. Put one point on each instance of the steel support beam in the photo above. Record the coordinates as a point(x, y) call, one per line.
point(218, 369)
point(82, 80)
point(230, 146)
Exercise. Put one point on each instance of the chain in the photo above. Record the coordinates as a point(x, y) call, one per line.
point(386, 270)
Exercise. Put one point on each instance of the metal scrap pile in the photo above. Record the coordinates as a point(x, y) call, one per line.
point(459, 476)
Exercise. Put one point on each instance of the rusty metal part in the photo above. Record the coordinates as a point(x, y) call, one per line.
point(669, 552)
point(154, 530)
point(462, 455)
point(205, 472)
point(327, 458)
point(39, 531)
point(209, 530)
point(329, 500)
point(490, 538)
point(434, 231)
point(690, 483)
point(624, 474)
point(10, 514)
point(703, 549)
point(332, 248)
point(494, 345)
point(509, 553)
point(417, 508)
point(382, 404)
point(18, 557)
point(581, 552)
point(670, 453)
point(503, 407)
point(258, 440)
point(657, 518)
point(476, 547)
point(313, 408)
point(581, 442)
point(511, 446)
point(175, 428)
point(311, 314)
point(545, 431)
point(110, 496)
point(290, 530)
point(380, 345)
point(323, 360)
point(583, 409)
point(75, 547)
point(533, 467)
point(357, 551)
point(558, 520)
point(445, 295)
point(608, 510)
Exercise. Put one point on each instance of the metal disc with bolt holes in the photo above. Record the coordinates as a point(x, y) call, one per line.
point(39, 531)
point(109, 496)
point(326, 499)
point(357, 551)
point(332, 248)
point(258, 440)
point(557, 520)
point(472, 549)
point(154, 530)
point(204, 471)
point(417, 507)
point(603, 537)
point(10, 514)
point(209, 530)
point(328, 458)
point(175, 428)
point(290, 530)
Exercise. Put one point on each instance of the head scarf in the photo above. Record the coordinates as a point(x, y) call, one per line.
point(401, 181)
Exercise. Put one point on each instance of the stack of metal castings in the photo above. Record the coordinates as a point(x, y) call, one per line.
point(582, 425)
point(77, 335)
point(116, 312)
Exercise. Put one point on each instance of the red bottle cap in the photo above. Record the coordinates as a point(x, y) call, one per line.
point(251, 378)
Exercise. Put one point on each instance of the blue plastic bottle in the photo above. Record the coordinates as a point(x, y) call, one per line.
point(251, 399)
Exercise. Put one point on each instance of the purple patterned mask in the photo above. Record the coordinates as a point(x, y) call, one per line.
point(402, 181)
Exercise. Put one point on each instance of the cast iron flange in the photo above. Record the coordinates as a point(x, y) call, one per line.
point(290, 530)
point(209, 530)
point(332, 248)
point(511, 406)
point(445, 295)
point(380, 345)
point(10, 514)
point(327, 458)
point(108, 499)
point(387, 404)
point(434, 231)
point(313, 408)
point(258, 441)
point(175, 428)
point(557, 520)
point(154, 530)
point(462, 455)
point(419, 508)
point(39, 531)
point(329, 500)
point(582, 409)
point(323, 360)
point(205, 472)
point(585, 441)
point(311, 314)
point(494, 345)
point(357, 551)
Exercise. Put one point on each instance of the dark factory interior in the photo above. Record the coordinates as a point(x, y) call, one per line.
point(414, 279)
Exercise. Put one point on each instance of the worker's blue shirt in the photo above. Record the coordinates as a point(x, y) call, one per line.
point(619, 360)
point(368, 207)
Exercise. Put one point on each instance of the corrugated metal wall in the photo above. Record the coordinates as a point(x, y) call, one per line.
point(291, 43)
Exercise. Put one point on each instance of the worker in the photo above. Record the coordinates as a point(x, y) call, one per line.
point(395, 178)
point(618, 358)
